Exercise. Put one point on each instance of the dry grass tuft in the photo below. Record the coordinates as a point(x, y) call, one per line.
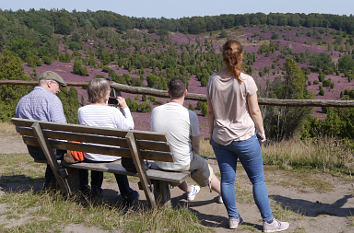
point(7, 129)
point(327, 154)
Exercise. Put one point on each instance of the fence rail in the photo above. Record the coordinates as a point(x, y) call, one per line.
point(202, 97)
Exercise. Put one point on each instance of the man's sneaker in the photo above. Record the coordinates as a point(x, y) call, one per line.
point(191, 195)
point(233, 222)
point(219, 200)
point(276, 225)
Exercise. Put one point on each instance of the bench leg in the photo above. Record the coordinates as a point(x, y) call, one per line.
point(73, 180)
point(162, 193)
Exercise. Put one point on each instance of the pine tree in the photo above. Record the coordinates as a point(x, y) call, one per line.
point(11, 68)
point(283, 122)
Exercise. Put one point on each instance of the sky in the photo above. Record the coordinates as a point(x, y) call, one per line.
point(187, 8)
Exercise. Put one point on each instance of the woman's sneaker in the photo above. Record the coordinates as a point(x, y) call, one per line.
point(233, 222)
point(274, 226)
point(195, 190)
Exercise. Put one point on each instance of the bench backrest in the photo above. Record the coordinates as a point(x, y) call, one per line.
point(107, 141)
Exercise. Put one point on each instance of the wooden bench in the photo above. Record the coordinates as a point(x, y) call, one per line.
point(138, 145)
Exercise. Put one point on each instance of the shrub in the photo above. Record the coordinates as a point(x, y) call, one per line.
point(47, 60)
point(321, 92)
point(79, 69)
point(65, 57)
point(203, 107)
point(191, 107)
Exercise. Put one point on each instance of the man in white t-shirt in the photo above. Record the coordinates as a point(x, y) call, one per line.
point(182, 131)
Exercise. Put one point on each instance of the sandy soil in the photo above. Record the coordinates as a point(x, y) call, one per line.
point(311, 202)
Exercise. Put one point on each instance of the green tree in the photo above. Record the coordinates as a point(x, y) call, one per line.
point(284, 122)
point(11, 68)
point(71, 104)
point(79, 69)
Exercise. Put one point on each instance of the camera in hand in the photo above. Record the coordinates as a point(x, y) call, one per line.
point(259, 136)
point(113, 101)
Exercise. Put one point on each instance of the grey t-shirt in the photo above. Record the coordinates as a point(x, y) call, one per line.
point(179, 124)
point(232, 121)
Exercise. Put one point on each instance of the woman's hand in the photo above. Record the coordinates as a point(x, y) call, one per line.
point(261, 137)
point(122, 102)
point(256, 116)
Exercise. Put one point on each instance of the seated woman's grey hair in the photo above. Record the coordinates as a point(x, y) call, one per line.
point(97, 88)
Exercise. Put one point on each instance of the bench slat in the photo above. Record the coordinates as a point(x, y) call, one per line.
point(139, 135)
point(151, 145)
point(22, 122)
point(107, 140)
point(87, 138)
point(116, 167)
point(83, 129)
point(107, 150)
point(156, 156)
point(149, 136)
point(147, 155)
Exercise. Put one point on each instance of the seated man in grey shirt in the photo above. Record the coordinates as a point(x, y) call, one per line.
point(42, 104)
point(182, 130)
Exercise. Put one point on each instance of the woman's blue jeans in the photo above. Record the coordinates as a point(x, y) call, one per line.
point(250, 155)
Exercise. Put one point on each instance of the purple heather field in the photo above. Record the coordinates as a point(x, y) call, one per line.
point(296, 39)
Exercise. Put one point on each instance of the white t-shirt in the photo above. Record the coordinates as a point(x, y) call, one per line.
point(105, 116)
point(179, 124)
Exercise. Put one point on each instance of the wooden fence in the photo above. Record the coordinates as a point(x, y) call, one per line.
point(202, 97)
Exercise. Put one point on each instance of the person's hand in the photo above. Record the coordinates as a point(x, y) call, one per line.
point(122, 102)
point(261, 137)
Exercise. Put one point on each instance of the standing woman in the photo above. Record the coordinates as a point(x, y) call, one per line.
point(98, 113)
point(234, 115)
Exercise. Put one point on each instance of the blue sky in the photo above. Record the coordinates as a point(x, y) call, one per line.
point(182, 8)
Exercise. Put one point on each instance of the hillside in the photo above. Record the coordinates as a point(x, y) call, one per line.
point(148, 52)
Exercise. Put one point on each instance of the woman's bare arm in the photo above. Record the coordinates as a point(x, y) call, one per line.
point(210, 117)
point(256, 115)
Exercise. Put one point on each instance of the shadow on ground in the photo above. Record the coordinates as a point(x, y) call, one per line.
point(313, 209)
point(20, 183)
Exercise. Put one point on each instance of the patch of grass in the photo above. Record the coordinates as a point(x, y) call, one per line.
point(19, 168)
point(284, 214)
point(8, 129)
point(205, 149)
point(15, 159)
point(299, 229)
point(350, 221)
point(160, 221)
point(305, 180)
point(328, 155)
point(51, 212)
point(248, 227)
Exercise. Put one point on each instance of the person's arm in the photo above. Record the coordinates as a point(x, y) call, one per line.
point(56, 111)
point(124, 121)
point(195, 144)
point(195, 134)
point(210, 117)
point(256, 115)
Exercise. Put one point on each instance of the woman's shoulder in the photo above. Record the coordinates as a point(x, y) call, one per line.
point(245, 76)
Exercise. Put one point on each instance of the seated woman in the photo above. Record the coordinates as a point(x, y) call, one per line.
point(98, 113)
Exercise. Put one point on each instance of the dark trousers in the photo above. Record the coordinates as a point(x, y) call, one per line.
point(97, 180)
point(37, 154)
